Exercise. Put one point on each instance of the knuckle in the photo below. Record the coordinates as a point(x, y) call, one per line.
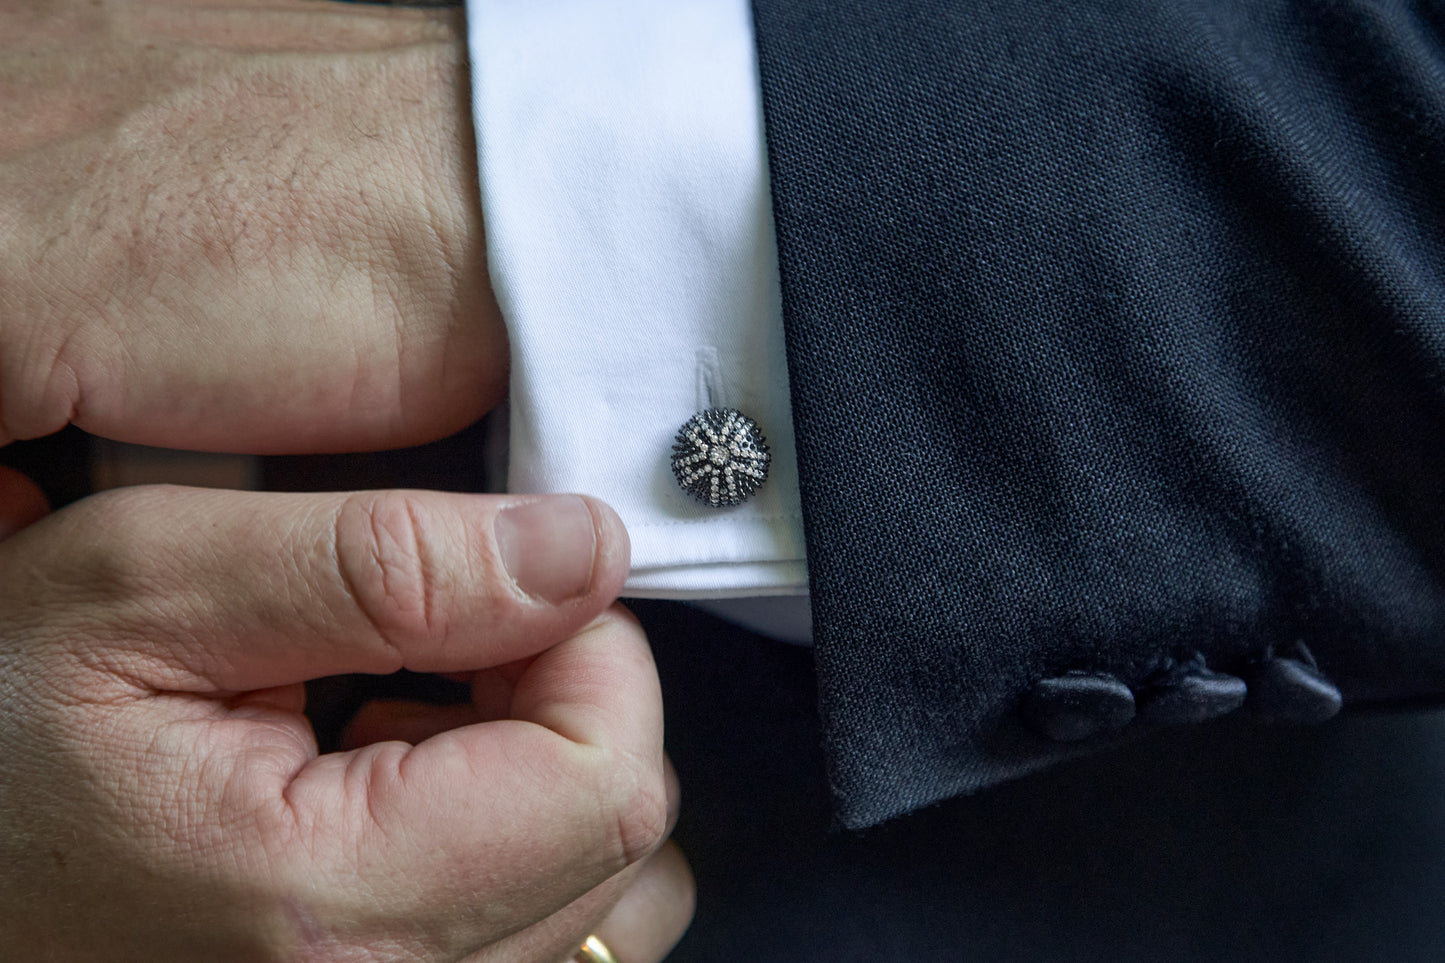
point(386, 550)
point(123, 557)
point(40, 379)
point(100, 598)
point(641, 809)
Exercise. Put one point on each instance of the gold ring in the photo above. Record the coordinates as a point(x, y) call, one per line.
point(594, 951)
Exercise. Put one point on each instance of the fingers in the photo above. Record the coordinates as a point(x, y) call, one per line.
point(206, 591)
point(647, 907)
point(213, 606)
point(484, 830)
point(21, 502)
point(654, 911)
point(638, 915)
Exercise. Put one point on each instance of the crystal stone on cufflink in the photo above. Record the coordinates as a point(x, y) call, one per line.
point(720, 457)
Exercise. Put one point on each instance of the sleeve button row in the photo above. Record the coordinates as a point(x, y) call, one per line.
point(1281, 689)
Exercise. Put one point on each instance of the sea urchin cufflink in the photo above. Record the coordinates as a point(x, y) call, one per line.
point(720, 457)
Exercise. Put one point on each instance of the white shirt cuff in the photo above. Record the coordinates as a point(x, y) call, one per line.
point(630, 242)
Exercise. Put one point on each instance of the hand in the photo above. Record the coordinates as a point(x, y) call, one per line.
point(241, 225)
point(162, 797)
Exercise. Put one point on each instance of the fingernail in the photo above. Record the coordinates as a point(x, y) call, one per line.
point(548, 546)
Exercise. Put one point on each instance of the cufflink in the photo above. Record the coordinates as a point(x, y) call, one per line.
point(720, 457)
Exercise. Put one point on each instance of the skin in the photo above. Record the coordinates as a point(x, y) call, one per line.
point(254, 227)
point(240, 226)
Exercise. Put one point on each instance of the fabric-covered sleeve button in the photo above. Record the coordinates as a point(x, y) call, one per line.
point(1196, 695)
point(1078, 705)
point(1293, 690)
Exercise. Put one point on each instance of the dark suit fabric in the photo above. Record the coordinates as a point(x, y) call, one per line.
point(1115, 334)
point(1223, 842)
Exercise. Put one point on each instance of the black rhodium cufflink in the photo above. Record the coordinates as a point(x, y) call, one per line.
point(720, 457)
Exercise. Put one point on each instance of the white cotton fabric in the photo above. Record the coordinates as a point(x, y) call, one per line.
point(630, 243)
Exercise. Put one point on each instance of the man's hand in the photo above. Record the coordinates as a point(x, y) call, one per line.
point(162, 797)
point(254, 226)
point(246, 226)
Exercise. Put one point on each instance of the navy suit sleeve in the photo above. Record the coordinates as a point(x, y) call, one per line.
point(1116, 342)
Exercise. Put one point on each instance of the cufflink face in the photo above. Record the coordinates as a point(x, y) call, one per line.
point(720, 457)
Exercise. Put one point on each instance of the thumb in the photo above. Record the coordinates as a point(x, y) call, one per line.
point(210, 591)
